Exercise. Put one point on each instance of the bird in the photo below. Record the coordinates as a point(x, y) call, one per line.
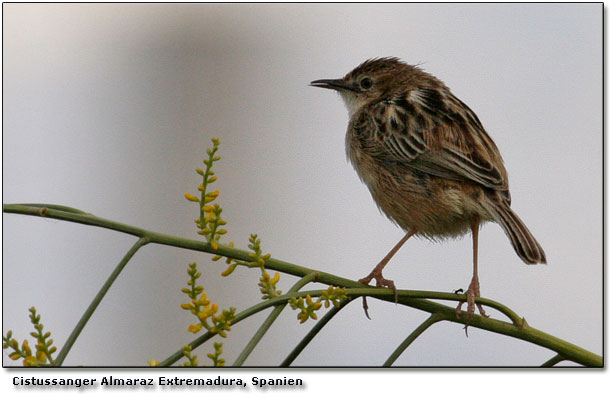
point(428, 163)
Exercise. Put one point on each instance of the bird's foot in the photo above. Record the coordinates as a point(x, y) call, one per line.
point(472, 293)
point(380, 281)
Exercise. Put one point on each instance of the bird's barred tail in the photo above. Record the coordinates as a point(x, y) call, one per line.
point(524, 243)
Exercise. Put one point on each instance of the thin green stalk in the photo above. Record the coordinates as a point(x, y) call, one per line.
point(553, 361)
point(63, 208)
point(269, 321)
point(96, 301)
point(312, 333)
point(412, 337)
point(437, 295)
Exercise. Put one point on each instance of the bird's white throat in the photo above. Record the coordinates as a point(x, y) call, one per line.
point(352, 102)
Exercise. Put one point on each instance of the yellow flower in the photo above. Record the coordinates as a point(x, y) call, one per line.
point(26, 348)
point(41, 356)
point(229, 270)
point(190, 197)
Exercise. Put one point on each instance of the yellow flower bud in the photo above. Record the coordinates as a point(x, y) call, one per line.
point(190, 197)
point(26, 347)
point(229, 270)
point(41, 356)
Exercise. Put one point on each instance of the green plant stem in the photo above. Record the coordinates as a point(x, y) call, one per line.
point(96, 301)
point(313, 332)
point(518, 328)
point(269, 321)
point(553, 361)
point(412, 337)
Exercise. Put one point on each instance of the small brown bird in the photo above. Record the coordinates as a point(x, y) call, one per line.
point(427, 161)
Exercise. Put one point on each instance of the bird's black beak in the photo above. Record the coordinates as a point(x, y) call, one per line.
point(335, 84)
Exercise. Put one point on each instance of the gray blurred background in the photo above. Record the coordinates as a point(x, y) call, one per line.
point(110, 108)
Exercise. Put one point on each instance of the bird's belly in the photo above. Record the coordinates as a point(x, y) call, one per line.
point(432, 206)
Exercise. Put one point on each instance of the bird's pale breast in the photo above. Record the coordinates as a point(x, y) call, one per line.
point(414, 200)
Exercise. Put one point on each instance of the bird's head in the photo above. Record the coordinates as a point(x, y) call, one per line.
point(371, 81)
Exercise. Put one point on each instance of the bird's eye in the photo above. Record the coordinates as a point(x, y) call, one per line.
point(366, 83)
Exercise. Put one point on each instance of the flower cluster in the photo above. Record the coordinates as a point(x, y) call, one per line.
point(201, 307)
point(267, 283)
point(209, 221)
point(308, 307)
point(191, 359)
point(44, 350)
point(215, 357)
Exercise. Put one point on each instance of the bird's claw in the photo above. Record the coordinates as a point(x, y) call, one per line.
point(380, 281)
point(471, 294)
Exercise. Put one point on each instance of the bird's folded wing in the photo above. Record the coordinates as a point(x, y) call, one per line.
point(443, 140)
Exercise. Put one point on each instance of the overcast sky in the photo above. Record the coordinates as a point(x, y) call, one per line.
point(110, 108)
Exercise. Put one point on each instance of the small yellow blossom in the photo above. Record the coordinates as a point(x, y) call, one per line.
point(229, 270)
point(190, 197)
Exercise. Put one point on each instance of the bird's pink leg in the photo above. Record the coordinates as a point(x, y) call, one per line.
point(376, 273)
point(474, 288)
